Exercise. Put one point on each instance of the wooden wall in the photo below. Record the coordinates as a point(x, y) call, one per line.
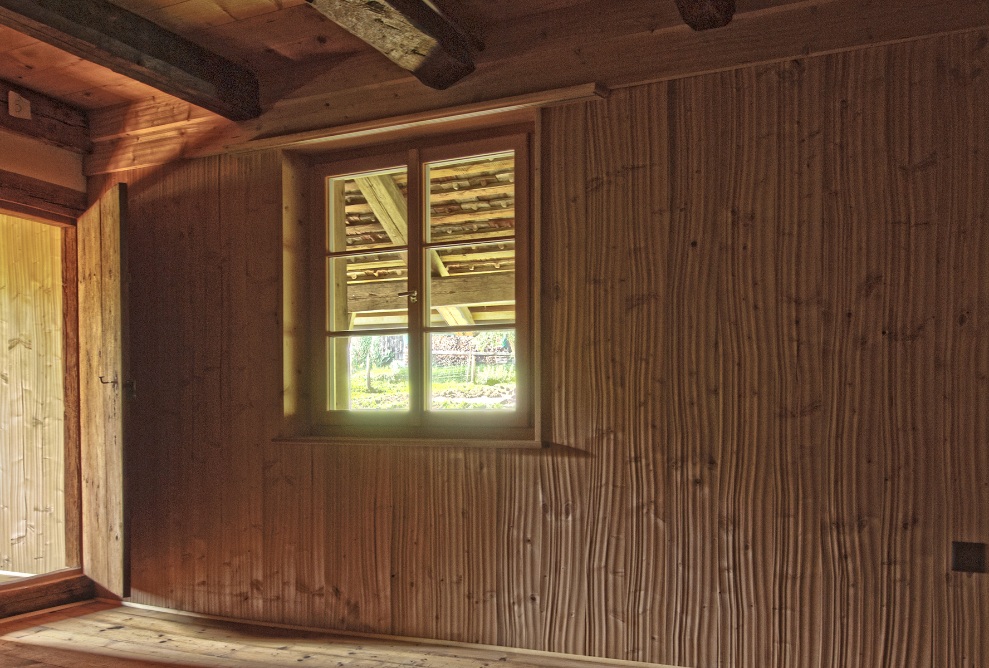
point(32, 399)
point(769, 298)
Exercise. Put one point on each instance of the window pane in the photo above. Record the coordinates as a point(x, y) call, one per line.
point(369, 372)
point(472, 284)
point(368, 210)
point(471, 198)
point(366, 292)
point(472, 370)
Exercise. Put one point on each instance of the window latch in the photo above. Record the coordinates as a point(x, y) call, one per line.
point(413, 295)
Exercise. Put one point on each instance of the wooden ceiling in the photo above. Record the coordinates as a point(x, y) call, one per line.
point(272, 38)
point(315, 78)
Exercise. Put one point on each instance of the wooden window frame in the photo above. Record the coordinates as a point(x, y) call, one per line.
point(419, 426)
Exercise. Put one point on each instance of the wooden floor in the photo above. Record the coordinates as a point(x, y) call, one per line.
point(102, 635)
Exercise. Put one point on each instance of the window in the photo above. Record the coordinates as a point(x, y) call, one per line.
point(424, 294)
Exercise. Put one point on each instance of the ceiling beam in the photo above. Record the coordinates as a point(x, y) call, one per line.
point(135, 47)
point(38, 116)
point(706, 14)
point(410, 33)
point(453, 291)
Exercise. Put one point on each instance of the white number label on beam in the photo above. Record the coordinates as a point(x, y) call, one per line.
point(18, 106)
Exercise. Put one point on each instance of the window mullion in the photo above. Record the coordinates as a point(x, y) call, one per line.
point(417, 340)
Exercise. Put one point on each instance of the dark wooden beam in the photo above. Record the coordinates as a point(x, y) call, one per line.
point(410, 33)
point(131, 45)
point(51, 121)
point(40, 199)
point(706, 14)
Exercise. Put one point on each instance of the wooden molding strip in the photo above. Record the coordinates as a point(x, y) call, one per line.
point(108, 35)
point(52, 122)
point(45, 591)
point(40, 199)
point(549, 98)
point(383, 441)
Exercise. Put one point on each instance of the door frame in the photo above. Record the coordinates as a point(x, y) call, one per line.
point(69, 584)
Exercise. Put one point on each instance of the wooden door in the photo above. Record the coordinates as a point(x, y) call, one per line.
point(103, 390)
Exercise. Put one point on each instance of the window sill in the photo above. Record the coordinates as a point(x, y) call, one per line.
point(481, 443)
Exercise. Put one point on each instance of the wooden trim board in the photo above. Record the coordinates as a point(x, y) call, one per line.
point(40, 200)
point(45, 591)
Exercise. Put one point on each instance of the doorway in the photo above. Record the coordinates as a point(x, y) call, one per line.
point(35, 490)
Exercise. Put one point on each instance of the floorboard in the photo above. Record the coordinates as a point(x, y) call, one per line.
point(105, 635)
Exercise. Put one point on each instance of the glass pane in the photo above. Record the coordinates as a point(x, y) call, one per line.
point(366, 292)
point(472, 284)
point(368, 210)
point(472, 370)
point(369, 372)
point(471, 198)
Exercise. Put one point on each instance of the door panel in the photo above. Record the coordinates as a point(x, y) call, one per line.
point(103, 375)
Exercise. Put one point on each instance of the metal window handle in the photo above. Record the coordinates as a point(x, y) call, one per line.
point(413, 295)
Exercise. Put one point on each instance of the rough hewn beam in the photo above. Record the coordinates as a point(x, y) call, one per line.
point(457, 290)
point(131, 45)
point(410, 32)
point(706, 14)
point(50, 121)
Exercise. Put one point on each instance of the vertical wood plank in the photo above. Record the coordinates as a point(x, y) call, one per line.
point(355, 555)
point(766, 298)
point(805, 306)
point(103, 358)
point(442, 547)
point(70, 336)
point(962, 637)
point(250, 340)
point(693, 406)
point(560, 519)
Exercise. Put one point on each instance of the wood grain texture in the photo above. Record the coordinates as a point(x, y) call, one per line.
point(206, 321)
point(410, 33)
point(105, 34)
point(51, 121)
point(706, 14)
point(313, 80)
point(100, 635)
point(32, 398)
point(963, 358)
point(104, 372)
point(45, 591)
point(73, 454)
point(768, 346)
point(40, 199)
